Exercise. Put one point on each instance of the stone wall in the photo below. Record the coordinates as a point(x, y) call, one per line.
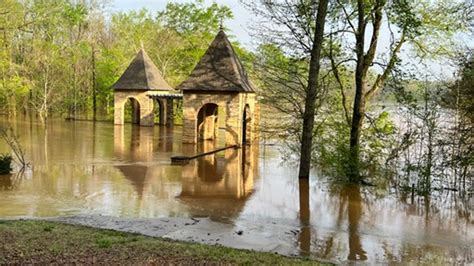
point(146, 106)
point(233, 105)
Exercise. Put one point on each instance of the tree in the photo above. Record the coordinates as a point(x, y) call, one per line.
point(193, 26)
point(458, 98)
point(299, 35)
point(13, 85)
point(312, 91)
point(425, 25)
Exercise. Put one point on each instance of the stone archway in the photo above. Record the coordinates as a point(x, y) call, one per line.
point(135, 110)
point(207, 122)
point(140, 80)
point(143, 107)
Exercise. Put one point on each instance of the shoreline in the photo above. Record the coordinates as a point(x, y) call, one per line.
point(270, 238)
point(45, 241)
point(254, 237)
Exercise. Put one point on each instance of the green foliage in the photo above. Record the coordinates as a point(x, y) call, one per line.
point(75, 14)
point(402, 13)
point(46, 52)
point(433, 25)
point(459, 96)
point(378, 141)
point(331, 148)
point(194, 18)
point(5, 164)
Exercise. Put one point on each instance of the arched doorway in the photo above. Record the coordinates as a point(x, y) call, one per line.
point(132, 111)
point(207, 122)
point(246, 127)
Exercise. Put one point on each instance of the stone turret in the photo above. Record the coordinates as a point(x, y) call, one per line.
point(219, 82)
point(139, 79)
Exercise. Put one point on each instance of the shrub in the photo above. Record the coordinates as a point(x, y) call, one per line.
point(5, 164)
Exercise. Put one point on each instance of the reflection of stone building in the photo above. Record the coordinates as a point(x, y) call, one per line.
point(217, 184)
point(136, 147)
point(220, 183)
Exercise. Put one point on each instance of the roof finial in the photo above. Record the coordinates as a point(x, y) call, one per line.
point(221, 24)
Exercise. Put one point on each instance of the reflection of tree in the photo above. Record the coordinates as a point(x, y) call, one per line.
point(351, 195)
point(6, 182)
point(11, 181)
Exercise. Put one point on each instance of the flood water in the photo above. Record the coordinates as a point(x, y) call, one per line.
point(98, 168)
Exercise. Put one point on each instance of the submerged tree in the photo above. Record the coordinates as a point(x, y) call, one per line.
point(297, 30)
point(458, 99)
point(426, 25)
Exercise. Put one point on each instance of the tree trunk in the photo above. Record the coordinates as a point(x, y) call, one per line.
point(358, 110)
point(94, 92)
point(311, 94)
point(358, 113)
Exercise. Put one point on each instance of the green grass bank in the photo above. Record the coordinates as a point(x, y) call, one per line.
point(42, 242)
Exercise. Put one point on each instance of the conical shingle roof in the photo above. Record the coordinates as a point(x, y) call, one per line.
point(141, 74)
point(219, 70)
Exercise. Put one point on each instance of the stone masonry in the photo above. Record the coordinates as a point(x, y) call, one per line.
point(232, 103)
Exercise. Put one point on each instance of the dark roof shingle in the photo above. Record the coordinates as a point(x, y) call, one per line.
point(219, 70)
point(141, 74)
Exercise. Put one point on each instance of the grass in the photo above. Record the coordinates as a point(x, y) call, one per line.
point(41, 242)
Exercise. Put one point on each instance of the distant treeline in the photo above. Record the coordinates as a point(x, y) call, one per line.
point(56, 56)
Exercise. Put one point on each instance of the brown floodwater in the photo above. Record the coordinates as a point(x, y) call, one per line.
point(98, 168)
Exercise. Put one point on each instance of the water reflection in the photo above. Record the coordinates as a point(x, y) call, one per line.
point(11, 181)
point(216, 185)
point(137, 147)
point(350, 204)
point(99, 168)
point(220, 183)
point(351, 198)
point(6, 182)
